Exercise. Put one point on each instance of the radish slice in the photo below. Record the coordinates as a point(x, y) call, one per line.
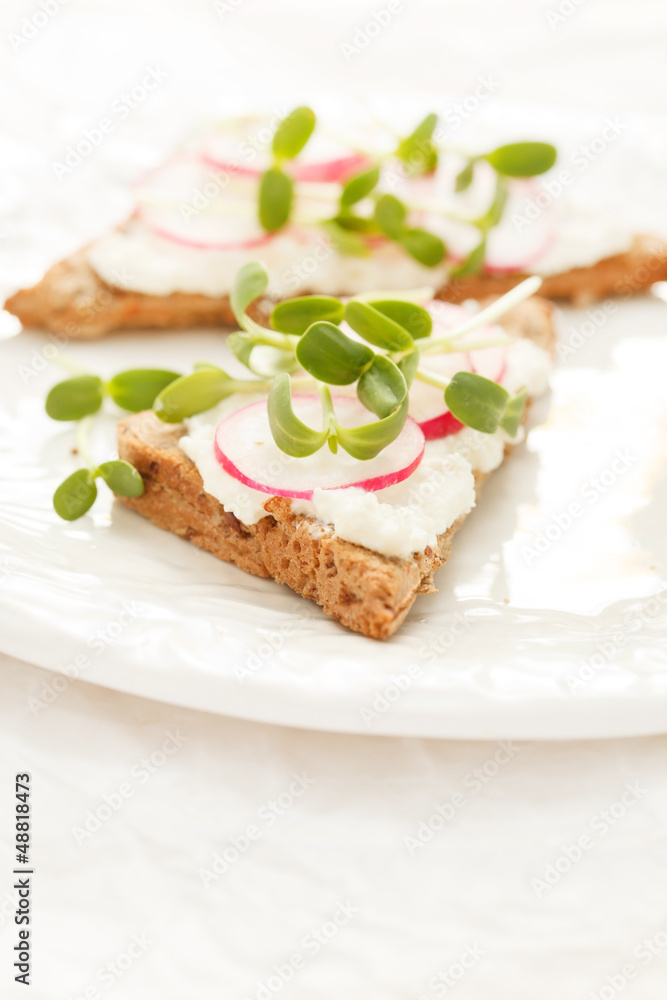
point(188, 204)
point(441, 426)
point(510, 252)
point(323, 160)
point(427, 404)
point(245, 448)
point(204, 232)
point(331, 170)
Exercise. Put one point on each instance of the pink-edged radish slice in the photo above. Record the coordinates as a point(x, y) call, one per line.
point(183, 202)
point(443, 425)
point(204, 232)
point(511, 250)
point(507, 255)
point(323, 160)
point(245, 448)
point(447, 317)
point(427, 402)
point(335, 170)
point(326, 171)
point(180, 178)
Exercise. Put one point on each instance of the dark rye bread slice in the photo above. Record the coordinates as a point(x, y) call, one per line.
point(367, 592)
point(624, 275)
point(72, 300)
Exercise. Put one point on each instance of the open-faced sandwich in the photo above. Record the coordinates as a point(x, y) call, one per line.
point(342, 452)
point(327, 216)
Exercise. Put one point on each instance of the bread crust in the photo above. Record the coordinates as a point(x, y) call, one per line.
point(73, 301)
point(367, 592)
point(623, 275)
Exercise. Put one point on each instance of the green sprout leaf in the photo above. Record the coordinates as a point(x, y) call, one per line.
point(367, 441)
point(417, 150)
point(293, 133)
point(425, 247)
point(355, 223)
point(522, 159)
point(514, 410)
point(121, 477)
point(359, 187)
point(296, 315)
point(276, 191)
point(412, 317)
point(136, 389)
point(241, 345)
point(376, 327)
point(464, 177)
point(251, 283)
point(382, 387)
point(291, 434)
point(75, 398)
point(495, 211)
point(331, 356)
point(390, 215)
point(344, 239)
point(75, 495)
point(409, 365)
point(472, 263)
point(193, 394)
point(476, 401)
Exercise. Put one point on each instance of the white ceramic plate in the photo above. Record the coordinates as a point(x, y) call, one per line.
point(545, 626)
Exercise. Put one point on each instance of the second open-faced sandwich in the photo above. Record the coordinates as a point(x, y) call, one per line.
point(328, 215)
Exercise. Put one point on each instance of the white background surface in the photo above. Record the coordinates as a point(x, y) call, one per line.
point(344, 838)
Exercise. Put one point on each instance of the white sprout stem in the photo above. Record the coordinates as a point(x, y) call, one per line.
point(81, 440)
point(439, 381)
point(488, 315)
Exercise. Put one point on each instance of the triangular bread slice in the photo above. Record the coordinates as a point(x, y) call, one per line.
point(366, 591)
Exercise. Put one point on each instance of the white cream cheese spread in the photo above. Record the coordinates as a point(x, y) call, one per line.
point(539, 233)
point(398, 520)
